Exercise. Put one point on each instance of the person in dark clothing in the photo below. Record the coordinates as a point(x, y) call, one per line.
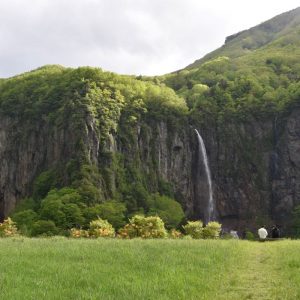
point(275, 232)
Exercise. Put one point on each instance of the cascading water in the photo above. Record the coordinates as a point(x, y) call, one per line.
point(210, 205)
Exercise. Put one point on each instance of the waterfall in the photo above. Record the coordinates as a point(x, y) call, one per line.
point(210, 205)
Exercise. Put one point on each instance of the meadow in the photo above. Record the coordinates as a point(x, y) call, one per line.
point(61, 268)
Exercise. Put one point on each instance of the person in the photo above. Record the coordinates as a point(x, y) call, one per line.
point(234, 234)
point(262, 233)
point(275, 232)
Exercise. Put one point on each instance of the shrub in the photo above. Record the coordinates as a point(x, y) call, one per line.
point(144, 227)
point(8, 228)
point(129, 231)
point(168, 209)
point(175, 234)
point(212, 230)
point(73, 215)
point(112, 211)
point(249, 235)
point(24, 220)
point(78, 233)
point(62, 207)
point(101, 228)
point(194, 229)
point(43, 227)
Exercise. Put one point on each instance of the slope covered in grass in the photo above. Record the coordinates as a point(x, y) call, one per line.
point(282, 28)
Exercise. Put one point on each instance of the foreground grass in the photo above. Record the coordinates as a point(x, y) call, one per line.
point(61, 268)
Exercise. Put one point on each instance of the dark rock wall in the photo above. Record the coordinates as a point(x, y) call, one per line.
point(255, 165)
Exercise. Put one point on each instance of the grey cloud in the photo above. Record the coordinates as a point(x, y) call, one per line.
point(125, 36)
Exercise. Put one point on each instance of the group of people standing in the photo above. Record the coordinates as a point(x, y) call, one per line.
point(263, 233)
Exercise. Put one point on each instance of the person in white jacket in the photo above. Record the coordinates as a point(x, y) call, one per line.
point(262, 233)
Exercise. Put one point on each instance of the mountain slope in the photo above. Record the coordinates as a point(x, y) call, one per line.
point(256, 71)
point(284, 28)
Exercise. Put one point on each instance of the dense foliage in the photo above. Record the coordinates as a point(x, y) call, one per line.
point(196, 230)
point(169, 210)
point(144, 227)
point(256, 72)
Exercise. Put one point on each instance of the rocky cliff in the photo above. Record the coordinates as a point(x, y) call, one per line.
point(255, 164)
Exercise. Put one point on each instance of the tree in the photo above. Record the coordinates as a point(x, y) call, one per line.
point(168, 209)
point(112, 210)
point(43, 227)
point(25, 220)
point(62, 207)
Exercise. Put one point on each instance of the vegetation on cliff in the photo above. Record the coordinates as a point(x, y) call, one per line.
point(74, 190)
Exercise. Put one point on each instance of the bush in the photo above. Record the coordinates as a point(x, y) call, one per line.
point(144, 227)
point(78, 233)
point(43, 227)
point(112, 211)
point(101, 228)
point(194, 229)
point(212, 230)
point(249, 235)
point(175, 234)
point(25, 220)
point(8, 228)
point(73, 215)
point(62, 207)
point(168, 209)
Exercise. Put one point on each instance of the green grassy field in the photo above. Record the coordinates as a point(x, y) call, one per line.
point(60, 268)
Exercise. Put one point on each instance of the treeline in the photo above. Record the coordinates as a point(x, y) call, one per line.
point(259, 85)
point(65, 208)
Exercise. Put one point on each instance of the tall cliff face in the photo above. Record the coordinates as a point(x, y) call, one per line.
point(155, 149)
point(26, 151)
point(255, 164)
point(285, 167)
point(255, 167)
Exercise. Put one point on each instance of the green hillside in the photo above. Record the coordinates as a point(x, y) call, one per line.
point(284, 28)
point(256, 71)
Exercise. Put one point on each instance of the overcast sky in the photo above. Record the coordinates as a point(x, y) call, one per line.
point(148, 37)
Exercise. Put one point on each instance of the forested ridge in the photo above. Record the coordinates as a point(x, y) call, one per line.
point(256, 71)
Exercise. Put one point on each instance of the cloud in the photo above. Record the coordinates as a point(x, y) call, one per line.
point(124, 36)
